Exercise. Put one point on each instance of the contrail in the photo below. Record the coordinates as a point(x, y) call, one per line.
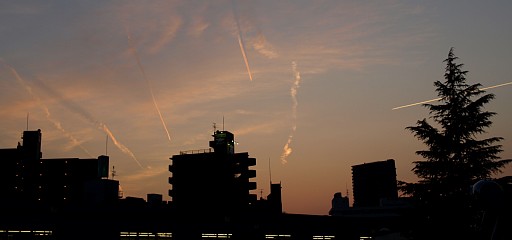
point(495, 86)
point(418, 103)
point(81, 112)
point(287, 150)
point(134, 52)
point(241, 41)
point(56, 123)
point(242, 48)
point(118, 144)
point(437, 99)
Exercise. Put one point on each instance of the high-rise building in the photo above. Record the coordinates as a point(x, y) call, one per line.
point(214, 180)
point(373, 183)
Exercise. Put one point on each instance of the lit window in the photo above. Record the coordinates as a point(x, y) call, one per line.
point(329, 237)
point(216, 235)
point(164, 235)
point(42, 233)
point(278, 236)
point(145, 235)
point(128, 234)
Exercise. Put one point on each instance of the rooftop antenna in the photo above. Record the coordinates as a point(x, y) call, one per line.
point(214, 128)
point(27, 120)
point(222, 122)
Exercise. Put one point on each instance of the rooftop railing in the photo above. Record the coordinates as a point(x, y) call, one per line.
point(198, 151)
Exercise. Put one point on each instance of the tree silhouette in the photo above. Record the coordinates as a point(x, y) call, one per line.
point(455, 158)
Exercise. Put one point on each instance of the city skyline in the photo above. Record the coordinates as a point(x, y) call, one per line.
point(306, 87)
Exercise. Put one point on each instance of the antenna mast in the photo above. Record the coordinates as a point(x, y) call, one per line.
point(27, 120)
point(222, 122)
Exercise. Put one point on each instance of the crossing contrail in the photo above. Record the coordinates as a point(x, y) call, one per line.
point(134, 52)
point(55, 123)
point(287, 150)
point(437, 99)
point(241, 41)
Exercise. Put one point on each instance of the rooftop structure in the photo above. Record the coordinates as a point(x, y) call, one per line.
point(374, 182)
point(217, 181)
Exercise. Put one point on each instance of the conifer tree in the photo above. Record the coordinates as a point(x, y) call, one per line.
point(455, 158)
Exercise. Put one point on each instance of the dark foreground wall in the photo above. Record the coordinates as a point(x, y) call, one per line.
point(162, 224)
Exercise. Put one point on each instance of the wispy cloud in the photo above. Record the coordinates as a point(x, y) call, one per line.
point(344, 36)
point(142, 175)
point(168, 33)
point(198, 26)
point(263, 47)
point(155, 32)
point(263, 128)
point(287, 149)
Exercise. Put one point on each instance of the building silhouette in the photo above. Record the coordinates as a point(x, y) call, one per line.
point(338, 203)
point(274, 199)
point(72, 198)
point(27, 179)
point(374, 183)
point(213, 181)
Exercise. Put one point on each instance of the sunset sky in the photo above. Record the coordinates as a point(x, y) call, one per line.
point(308, 86)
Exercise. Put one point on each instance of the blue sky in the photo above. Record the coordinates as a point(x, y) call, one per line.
point(324, 76)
